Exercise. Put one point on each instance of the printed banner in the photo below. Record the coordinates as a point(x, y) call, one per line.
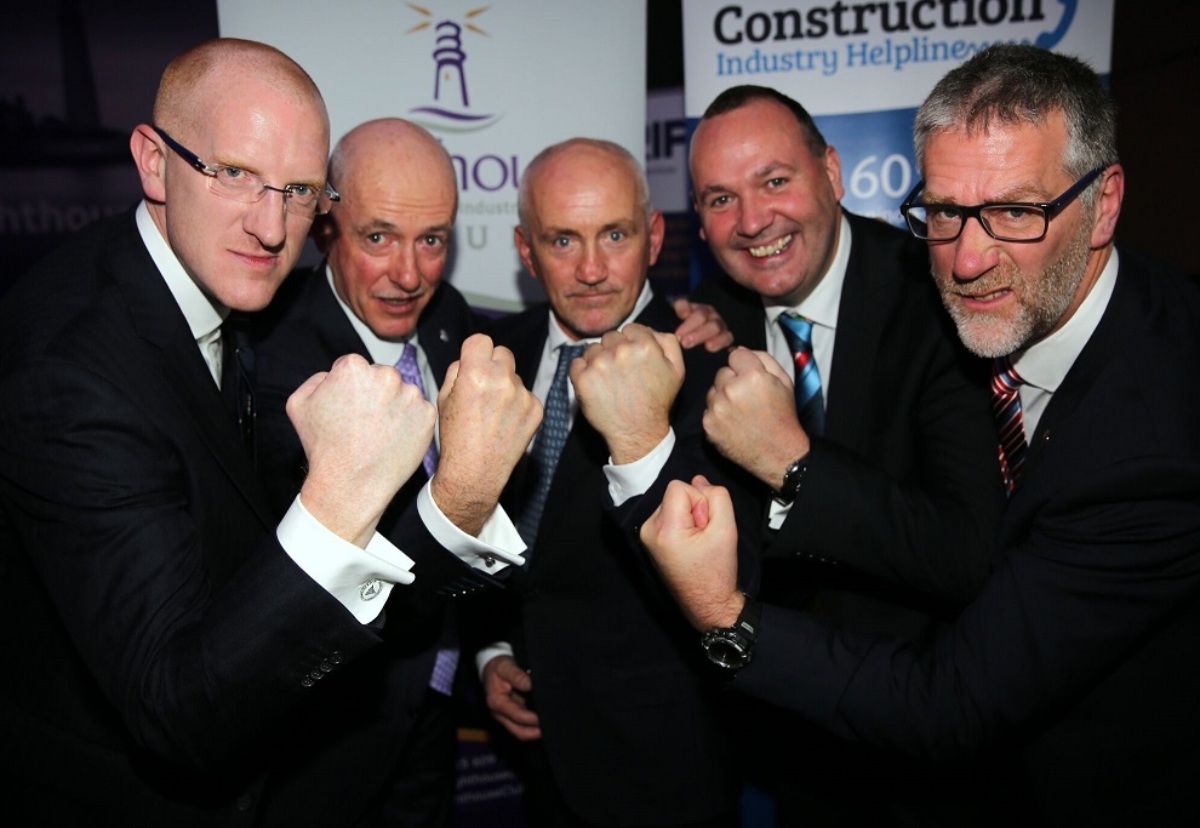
point(862, 69)
point(495, 82)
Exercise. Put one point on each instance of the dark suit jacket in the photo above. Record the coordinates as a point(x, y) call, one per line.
point(904, 489)
point(627, 703)
point(1082, 649)
point(303, 332)
point(180, 666)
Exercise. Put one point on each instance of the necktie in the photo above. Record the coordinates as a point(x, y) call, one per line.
point(410, 372)
point(809, 405)
point(237, 378)
point(446, 662)
point(548, 445)
point(1006, 406)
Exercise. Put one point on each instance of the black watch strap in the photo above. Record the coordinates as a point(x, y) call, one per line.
point(793, 477)
point(733, 647)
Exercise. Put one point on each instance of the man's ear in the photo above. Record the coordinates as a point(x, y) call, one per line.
point(524, 251)
point(1108, 206)
point(658, 231)
point(324, 230)
point(151, 161)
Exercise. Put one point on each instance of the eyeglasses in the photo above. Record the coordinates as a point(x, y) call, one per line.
point(1016, 222)
point(242, 185)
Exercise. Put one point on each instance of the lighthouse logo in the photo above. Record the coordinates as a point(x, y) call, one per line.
point(451, 109)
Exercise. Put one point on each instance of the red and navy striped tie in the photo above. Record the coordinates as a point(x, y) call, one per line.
point(810, 408)
point(1006, 405)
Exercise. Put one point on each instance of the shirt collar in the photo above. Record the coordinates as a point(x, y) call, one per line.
point(558, 337)
point(204, 314)
point(821, 305)
point(1045, 363)
point(382, 351)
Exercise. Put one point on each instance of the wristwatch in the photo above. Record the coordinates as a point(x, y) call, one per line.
point(792, 478)
point(733, 647)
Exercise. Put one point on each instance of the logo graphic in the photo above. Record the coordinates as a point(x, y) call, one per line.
point(451, 110)
point(1048, 40)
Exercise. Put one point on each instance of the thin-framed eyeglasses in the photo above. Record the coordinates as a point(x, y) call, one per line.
point(1008, 222)
point(242, 185)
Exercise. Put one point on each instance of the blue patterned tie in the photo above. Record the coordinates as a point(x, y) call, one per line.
point(548, 445)
point(446, 663)
point(809, 406)
point(410, 372)
point(1010, 424)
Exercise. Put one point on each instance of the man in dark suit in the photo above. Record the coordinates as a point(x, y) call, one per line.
point(886, 502)
point(1079, 654)
point(380, 292)
point(187, 650)
point(600, 683)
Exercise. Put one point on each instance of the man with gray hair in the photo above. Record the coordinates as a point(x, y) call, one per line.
point(1080, 653)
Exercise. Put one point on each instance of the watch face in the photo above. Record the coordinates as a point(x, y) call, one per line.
point(724, 649)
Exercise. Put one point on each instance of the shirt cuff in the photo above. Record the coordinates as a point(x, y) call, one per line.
point(360, 579)
point(496, 648)
point(633, 479)
point(777, 513)
point(498, 546)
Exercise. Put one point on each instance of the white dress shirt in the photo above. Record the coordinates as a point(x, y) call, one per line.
point(1044, 365)
point(361, 579)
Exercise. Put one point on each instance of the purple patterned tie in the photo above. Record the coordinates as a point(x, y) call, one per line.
point(1006, 406)
point(410, 372)
point(446, 663)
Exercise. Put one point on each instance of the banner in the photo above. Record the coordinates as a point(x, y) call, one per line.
point(862, 69)
point(495, 82)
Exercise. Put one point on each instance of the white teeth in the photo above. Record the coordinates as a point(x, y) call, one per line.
point(771, 249)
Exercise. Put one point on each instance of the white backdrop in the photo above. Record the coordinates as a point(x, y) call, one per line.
point(496, 82)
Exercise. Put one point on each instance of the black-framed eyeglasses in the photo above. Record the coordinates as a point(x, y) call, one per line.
point(1015, 222)
point(242, 185)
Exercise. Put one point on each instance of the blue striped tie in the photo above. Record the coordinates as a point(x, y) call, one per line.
point(1006, 406)
point(548, 445)
point(810, 407)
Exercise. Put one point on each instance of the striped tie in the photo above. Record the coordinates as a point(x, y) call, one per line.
point(1006, 406)
point(445, 664)
point(549, 443)
point(410, 372)
point(809, 405)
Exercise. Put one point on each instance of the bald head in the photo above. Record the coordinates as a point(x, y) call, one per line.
point(195, 79)
point(387, 240)
point(398, 150)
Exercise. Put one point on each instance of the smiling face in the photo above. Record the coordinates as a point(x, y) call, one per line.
point(768, 206)
point(237, 253)
point(388, 239)
point(588, 239)
point(1006, 295)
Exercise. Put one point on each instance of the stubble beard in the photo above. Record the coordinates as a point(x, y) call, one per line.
point(1045, 298)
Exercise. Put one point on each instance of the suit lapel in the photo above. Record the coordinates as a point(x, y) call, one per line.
point(867, 300)
point(180, 370)
point(1096, 357)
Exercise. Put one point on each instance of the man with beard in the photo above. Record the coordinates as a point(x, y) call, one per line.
point(1080, 653)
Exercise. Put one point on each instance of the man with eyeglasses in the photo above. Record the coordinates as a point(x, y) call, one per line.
point(856, 405)
point(1080, 654)
point(187, 658)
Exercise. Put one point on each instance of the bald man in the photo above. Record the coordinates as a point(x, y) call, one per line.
point(190, 657)
point(380, 293)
